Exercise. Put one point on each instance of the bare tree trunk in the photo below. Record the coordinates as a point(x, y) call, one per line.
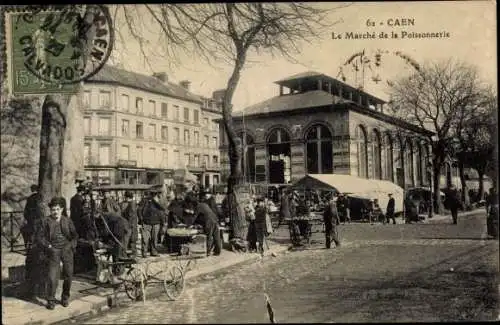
point(51, 148)
point(238, 222)
point(481, 184)
point(465, 193)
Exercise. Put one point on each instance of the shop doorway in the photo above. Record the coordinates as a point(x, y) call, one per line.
point(279, 156)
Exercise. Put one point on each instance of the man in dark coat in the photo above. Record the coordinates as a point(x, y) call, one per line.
point(76, 210)
point(331, 220)
point(453, 200)
point(153, 215)
point(115, 231)
point(32, 214)
point(210, 201)
point(130, 214)
point(205, 217)
point(57, 237)
point(342, 207)
point(389, 213)
point(411, 209)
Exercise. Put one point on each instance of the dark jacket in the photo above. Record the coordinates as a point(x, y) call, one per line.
point(175, 213)
point(411, 209)
point(453, 200)
point(342, 204)
point(215, 208)
point(153, 213)
point(129, 212)
point(205, 216)
point(117, 224)
point(46, 229)
point(391, 206)
point(331, 215)
point(76, 212)
point(32, 211)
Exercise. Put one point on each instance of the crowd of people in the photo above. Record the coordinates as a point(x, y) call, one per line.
point(98, 221)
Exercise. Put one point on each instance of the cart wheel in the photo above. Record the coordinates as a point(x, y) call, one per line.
point(132, 283)
point(173, 282)
point(187, 264)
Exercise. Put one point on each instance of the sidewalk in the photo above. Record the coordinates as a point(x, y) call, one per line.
point(88, 298)
point(446, 218)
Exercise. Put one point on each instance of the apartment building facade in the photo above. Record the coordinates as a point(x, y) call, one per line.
point(139, 129)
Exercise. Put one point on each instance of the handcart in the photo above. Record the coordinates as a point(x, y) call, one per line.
point(301, 228)
point(141, 273)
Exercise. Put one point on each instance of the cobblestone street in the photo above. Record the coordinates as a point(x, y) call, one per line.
point(380, 278)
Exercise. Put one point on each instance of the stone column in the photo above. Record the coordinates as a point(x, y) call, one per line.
point(370, 156)
point(383, 159)
point(341, 157)
point(353, 157)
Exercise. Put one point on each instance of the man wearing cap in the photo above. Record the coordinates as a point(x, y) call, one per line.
point(76, 210)
point(331, 219)
point(58, 237)
point(389, 213)
point(210, 201)
point(205, 217)
point(152, 216)
point(130, 214)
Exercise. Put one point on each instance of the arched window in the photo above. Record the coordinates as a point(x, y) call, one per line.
point(278, 149)
point(420, 163)
point(389, 158)
point(409, 171)
point(319, 148)
point(377, 154)
point(400, 161)
point(248, 156)
point(362, 156)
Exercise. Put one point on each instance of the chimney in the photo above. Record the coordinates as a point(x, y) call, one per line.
point(162, 76)
point(185, 84)
point(218, 95)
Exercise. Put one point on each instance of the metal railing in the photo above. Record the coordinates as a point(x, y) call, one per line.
point(11, 230)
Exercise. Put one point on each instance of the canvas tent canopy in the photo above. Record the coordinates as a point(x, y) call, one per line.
point(356, 186)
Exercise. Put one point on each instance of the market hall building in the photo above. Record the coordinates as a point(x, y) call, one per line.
point(320, 125)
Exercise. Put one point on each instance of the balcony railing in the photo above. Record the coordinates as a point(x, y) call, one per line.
point(11, 230)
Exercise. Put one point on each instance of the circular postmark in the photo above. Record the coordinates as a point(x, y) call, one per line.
point(65, 44)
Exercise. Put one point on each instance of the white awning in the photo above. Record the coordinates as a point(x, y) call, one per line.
point(367, 188)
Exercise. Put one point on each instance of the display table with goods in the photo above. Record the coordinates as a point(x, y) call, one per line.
point(179, 236)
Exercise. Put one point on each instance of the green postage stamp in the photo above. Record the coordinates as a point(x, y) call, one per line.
point(52, 51)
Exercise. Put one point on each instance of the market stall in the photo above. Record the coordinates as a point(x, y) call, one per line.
point(355, 186)
point(179, 236)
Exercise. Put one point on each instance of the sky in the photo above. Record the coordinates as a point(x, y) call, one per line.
point(471, 26)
